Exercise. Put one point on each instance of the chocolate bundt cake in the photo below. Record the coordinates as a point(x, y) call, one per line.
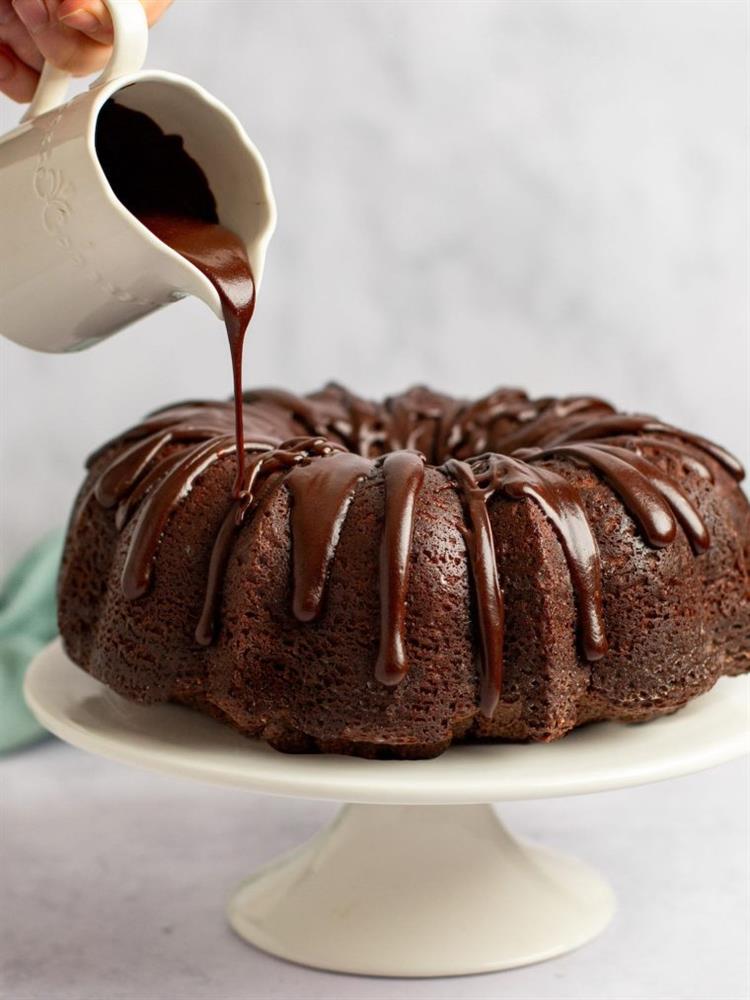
point(396, 577)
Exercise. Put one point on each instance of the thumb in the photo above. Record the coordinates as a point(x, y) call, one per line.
point(93, 18)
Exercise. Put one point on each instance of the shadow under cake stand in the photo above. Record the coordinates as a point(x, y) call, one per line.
point(416, 876)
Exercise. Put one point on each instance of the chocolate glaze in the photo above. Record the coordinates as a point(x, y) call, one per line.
point(320, 448)
point(480, 545)
point(403, 475)
point(321, 493)
point(156, 508)
point(653, 499)
point(618, 424)
point(155, 179)
point(481, 479)
point(265, 471)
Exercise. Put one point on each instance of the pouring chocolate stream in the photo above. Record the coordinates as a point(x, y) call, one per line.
point(155, 178)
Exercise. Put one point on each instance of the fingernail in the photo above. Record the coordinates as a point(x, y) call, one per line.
point(33, 13)
point(82, 20)
point(7, 66)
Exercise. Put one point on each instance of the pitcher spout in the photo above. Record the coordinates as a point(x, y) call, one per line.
point(236, 173)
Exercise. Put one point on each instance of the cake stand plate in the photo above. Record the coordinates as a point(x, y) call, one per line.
point(416, 876)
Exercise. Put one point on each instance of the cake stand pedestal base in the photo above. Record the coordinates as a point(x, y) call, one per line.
point(420, 891)
point(419, 878)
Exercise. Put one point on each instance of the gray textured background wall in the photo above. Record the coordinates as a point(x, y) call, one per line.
point(545, 194)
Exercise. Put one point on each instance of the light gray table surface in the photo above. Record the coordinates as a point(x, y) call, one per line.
point(114, 883)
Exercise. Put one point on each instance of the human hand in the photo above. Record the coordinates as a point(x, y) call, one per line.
point(75, 35)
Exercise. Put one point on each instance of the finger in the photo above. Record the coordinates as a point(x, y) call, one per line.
point(33, 13)
point(7, 13)
point(93, 18)
point(14, 34)
point(17, 80)
point(62, 46)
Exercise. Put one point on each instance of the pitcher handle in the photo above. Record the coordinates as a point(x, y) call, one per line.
point(128, 55)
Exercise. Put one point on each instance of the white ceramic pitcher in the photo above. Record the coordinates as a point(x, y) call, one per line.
point(75, 264)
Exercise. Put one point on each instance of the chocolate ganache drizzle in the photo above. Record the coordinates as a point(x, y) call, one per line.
point(320, 447)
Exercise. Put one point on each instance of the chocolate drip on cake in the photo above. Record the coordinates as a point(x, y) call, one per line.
point(403, 475)
point(481, 479)
point(159, 503)
point(264, 472)
point(321, 493)
point(480, 545)
point(653, 499)
point(146, 481)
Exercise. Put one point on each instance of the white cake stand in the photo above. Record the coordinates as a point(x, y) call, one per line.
point(418, 877)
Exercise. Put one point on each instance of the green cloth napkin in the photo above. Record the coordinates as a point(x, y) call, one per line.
point(28, 621)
